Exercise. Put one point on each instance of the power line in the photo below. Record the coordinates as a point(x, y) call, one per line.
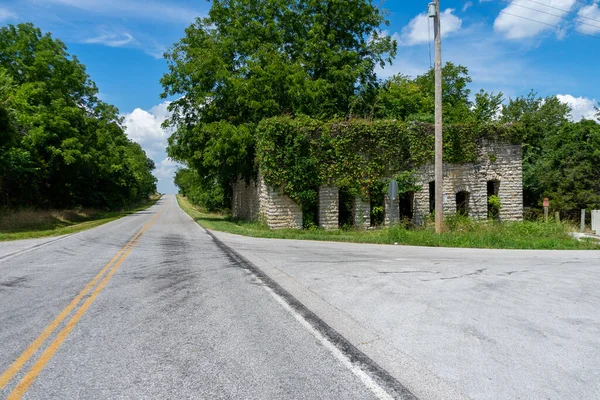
point(554, 15)
point(582, 2)
point(552, 25)
point(565, 11)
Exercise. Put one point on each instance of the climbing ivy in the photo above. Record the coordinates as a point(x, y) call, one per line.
point(298, 155)
point(407, 182)
point(288, 153)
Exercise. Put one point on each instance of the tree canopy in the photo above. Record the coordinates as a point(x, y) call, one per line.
point(250, 60)
point(568, 170)
point(407, 99)
point(61, 146)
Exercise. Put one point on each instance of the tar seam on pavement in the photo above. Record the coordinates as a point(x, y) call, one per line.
point(357, 357)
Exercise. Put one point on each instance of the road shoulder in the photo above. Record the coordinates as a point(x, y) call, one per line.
point(411, 374)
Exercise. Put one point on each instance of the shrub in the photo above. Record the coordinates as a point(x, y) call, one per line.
point(494, 207)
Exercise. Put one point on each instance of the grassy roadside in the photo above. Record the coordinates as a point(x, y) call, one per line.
point(526, 235)
point(31, 224)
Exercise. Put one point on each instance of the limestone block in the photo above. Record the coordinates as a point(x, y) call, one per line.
point(329, 207)
point(245, 202)
point(281, 211)
point(362, 213)
point(497, 161)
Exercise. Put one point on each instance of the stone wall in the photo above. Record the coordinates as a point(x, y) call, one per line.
point(279, 211)
point(361, 213)
point(245, 203)
point(508, 170)
point(497, 162)
point(255, 201)
point(329, 207)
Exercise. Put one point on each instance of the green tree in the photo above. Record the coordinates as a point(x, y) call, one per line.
point(250, 60)
point(455, 92)
point(199, 191)
point(539, 118)
point(66, 148)
point(569, 168)
point(414, 99)
point(487, 106)
point(401, 98)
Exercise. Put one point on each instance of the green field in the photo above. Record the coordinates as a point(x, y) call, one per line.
point(514, 235)
point(30, 224)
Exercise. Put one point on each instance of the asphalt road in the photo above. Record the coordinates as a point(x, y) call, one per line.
point(452, 323)
point(150, 306)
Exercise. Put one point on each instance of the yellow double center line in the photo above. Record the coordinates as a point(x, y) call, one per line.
point(113, 265)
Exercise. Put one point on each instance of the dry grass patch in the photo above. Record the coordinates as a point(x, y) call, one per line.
point(24, 220)
point(28, 224)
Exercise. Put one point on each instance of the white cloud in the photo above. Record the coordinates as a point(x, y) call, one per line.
point(588, 17)
point(417, 30)
point(153, 10)
point(144, 127)
point(518, 19)
point(581, 107)
point(165, 170)
point(112, 39)
point(119, 37)
point(6, 14)
point(467, 5)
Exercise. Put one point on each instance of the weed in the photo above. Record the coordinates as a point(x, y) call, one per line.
point(462, 232)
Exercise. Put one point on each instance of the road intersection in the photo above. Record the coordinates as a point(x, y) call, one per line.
point(154, 306)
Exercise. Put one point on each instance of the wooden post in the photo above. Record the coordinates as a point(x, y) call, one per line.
point(557, 217)
point(583, 220)
point(546, 214)
point(439, 176)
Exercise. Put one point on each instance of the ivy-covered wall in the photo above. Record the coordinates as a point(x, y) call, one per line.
point(299, 155)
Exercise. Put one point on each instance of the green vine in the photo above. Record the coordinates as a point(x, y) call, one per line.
point(300, 154)
point(407, 182)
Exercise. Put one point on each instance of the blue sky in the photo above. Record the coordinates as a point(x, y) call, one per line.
point(121, 43)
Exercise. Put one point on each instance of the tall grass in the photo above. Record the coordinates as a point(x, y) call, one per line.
point(29, 223)
point(24, 220)
point(460, 232)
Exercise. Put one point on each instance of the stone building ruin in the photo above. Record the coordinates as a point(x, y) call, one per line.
point(467, 187)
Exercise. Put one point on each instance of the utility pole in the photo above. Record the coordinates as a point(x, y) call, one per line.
point(435, 13)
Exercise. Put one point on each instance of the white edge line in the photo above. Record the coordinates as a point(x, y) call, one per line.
point(366, 380)
point(37, 246)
